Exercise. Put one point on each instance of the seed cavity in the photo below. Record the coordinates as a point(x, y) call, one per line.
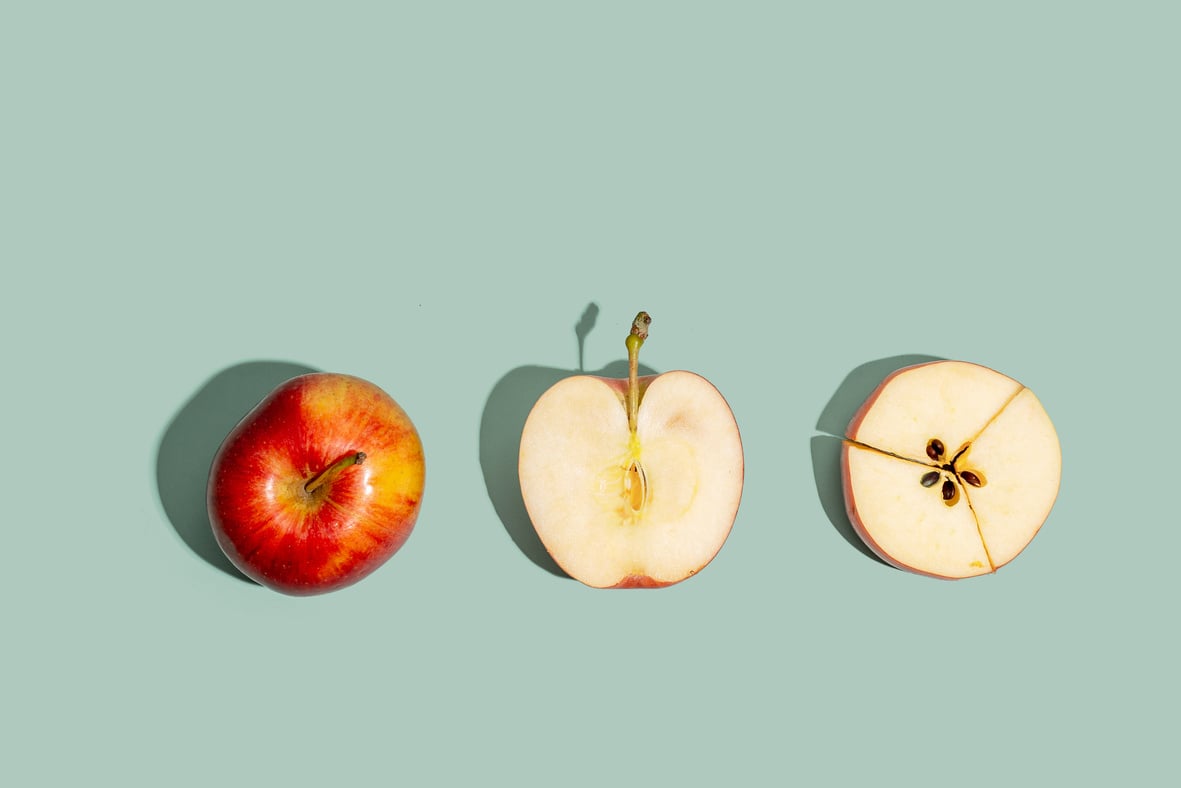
point(937, 452)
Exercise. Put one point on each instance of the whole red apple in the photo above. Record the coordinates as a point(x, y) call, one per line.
point(318, 485)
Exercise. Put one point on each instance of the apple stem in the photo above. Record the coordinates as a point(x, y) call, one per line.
point(634, 340)
point(330, 473)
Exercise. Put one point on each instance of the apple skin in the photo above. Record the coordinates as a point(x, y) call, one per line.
point(643, 581)
point(301, 543)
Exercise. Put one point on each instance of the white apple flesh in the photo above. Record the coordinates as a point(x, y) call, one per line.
point(950, 469)
point(1020, 449)
point(617, 507)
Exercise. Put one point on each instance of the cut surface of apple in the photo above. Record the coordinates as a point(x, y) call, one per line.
point(949, 469)
point(617, 507)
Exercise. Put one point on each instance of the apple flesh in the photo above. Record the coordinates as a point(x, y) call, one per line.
point(318, 486)
point(629, 502)
point(950, 469)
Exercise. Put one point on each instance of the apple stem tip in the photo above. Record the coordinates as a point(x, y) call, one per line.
point(640, 325)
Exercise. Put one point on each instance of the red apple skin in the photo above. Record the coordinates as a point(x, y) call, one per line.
point(298, 543)
point(643, 581)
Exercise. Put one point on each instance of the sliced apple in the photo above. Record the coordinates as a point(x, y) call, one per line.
point(632, 483)
point(949, 469)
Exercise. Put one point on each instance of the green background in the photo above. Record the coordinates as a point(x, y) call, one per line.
point(198, 199)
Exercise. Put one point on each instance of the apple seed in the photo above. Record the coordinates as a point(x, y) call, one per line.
point(635, 486)
point(935, 448)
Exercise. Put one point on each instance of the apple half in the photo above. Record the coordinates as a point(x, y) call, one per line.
point(949, 469)
point(632, 482)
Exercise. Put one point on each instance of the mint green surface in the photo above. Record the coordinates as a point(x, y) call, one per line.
point(199, 199)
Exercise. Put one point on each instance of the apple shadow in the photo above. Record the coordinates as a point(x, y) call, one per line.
point(826, 449)
point(190, 441)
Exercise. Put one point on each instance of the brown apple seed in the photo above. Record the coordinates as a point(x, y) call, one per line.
point(935, 448)
point(949, 493)
point(972, 478)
